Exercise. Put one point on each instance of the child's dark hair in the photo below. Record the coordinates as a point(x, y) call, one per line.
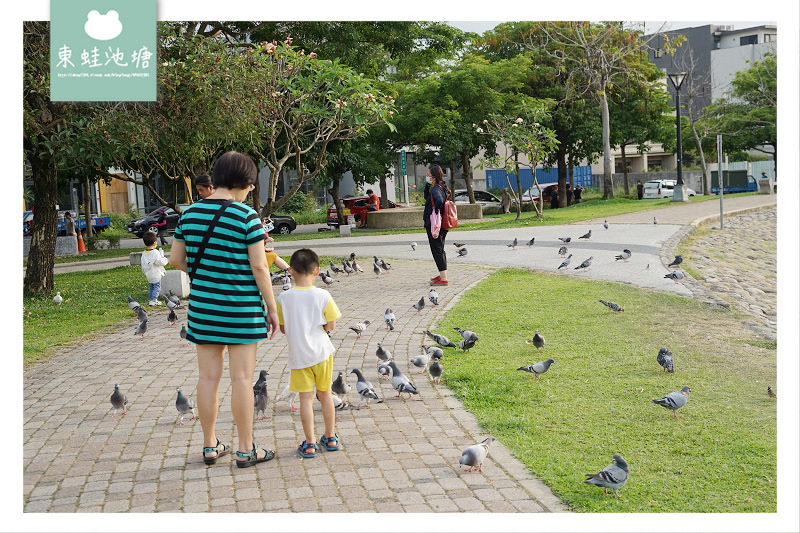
point(149, 238)
point(304, 261)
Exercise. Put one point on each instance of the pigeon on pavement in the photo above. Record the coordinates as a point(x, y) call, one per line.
point(334, 268)
point(655, 221)
point(289, 396)
point(537, 340)
point(326, 278)
point(605, 224)
point(513, 244)
point(384, 371)
point(474, 455)
point(565, 240)
point(170, 303)
point(675, 262)
point(388, 317)
point(133, 304)
point(400, 382)
point(172, 317)
point(420, 361)
point(436, 370)
point(142, 329)
point(441, 340)
point(382, 353)
point(364, 388)
point(376, 269)
point(467, 334)
point(674, 400)
point(340, 385)
point(184, 332)
point(586, 236)
point(433, 296)
point(562, 251)
point(347, 268)
point(586, 264)
point(538, 368)
point(118, 401)
point(459, 244)
point(356, 268)
point(57, 299)
point(174, 299)
point(420, 305)
point(565, 262)
point(360, 327)
point(287, 284)
point(462, 252)
point(624, 256)
point(611, 305)
point(184, 405)
point(674, 275)
point(530, 242)
point(666, 359)
point(141, 314)
point(613, 477)
point(413, 245)
point(260, 400)
point(381, 263)
point(262, 378)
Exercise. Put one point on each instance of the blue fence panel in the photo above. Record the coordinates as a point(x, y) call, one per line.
point(496, 178)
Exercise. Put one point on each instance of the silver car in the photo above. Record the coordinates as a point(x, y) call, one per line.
point(486, 199)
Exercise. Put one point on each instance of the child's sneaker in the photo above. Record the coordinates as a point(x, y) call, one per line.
point(307, 450)
point(153, 302)
point(330, 443)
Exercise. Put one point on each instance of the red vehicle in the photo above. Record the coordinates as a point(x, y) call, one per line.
point(357, 206)
point(546, 193)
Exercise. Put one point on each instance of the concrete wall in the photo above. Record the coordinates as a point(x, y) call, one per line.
point(64, 246)
point(692, 179)
point(411, 217)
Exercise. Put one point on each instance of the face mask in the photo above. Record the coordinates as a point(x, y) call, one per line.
point(427, 179)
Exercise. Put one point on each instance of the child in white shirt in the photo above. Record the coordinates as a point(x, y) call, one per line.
point(153, 262)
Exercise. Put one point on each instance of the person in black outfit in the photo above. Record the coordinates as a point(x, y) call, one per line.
point(435, 195)
point(569, 194)
point(577, 194)
point(554, 199)
point(162, 227)
point(639, 189)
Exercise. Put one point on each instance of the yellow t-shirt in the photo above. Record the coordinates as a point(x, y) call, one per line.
point(303, 311)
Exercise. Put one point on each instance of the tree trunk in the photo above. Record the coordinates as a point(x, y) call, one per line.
point(608, 182)
point(625, 169)
point(466, 169)
point(384, 193)
point(334, 192)
point(452, 175)
point(519, 184)
point(706, 181)
point(87, 209)
point(561, 163)
point(39, 272)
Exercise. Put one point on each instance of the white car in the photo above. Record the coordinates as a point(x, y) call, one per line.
point(662, 189)
point(486, 199)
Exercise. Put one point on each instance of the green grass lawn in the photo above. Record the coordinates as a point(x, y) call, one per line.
point(719, 455)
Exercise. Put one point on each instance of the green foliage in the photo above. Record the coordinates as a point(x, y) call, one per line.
point(719, 455)
point(113, 236)
point(299, 203)
point(120, 221)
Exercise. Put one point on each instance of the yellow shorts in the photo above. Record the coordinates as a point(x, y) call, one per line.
point(304, 379)
point(271, 256)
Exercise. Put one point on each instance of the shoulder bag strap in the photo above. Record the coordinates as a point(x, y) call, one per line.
point(199, 254)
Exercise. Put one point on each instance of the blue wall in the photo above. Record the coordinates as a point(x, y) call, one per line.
point(496, 178)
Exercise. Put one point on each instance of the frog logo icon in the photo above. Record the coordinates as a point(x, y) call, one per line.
point(103, 27)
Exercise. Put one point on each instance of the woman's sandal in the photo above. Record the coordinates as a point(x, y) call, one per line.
point(252, 457)
point(209, 449)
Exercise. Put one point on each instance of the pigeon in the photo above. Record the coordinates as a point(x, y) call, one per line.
point(538, 368)
point(382, 353)
point(611, 305)
point(420, 361)
point(459, 244)
point(262, 378)
point(666, 359)
point(433, 351)
point(587, 235)
point(467, 334)
point(441, 340)
point(586, 264)
point(326, 278)
point(184, 406)
point(360, 327)
point(133, 304)
point(771, 393)
point(356, 268)
point(340, 385)
point(436, 370)
point(57, 298)
point(674, 275)
point(364, 388)
point(537, 340)
point(565, 262)
point(334, 268)
point(174, 299)
point(352, 256)
point(141, 329)
point(388, 317)
point(565, 240)
point(530, 242)
point(513, 244)
point(675, 262)
point(420, 305)
point(118, 401)
point(605, 224)
point(624, 256)
point(462, 252)
point(376, 269)
point(400, 382)
point(141, 314)
point(414, 246)
point(172, 317)
point(287, 284)
point(674, 400)
point(290, 396)
point(184, 332)
point(384, 371)
point(170, 304)
point(655, 221)
point(381, 263)
point(347, 268)
point(613, 477)
point(465, 344)
point(338, 403)
point(433, 296)
point(474, 455)
point(260, 400)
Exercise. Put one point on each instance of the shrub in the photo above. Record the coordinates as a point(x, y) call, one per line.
point(119, 221)
point(300, 203)
point(111, 235)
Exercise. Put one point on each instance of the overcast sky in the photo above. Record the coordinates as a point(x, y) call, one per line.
point(650, 26)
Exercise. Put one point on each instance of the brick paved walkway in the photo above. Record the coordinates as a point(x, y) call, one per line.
point(398, 456)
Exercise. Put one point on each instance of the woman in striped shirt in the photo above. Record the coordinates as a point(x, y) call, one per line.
point(230, 285)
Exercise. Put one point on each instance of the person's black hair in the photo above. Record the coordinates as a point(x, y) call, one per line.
point(204, 180)
point(149, 238)
point(233, 170)
point(304, 261)
point(369, 191)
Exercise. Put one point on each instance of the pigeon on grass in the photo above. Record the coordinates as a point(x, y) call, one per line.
point(613, 477)
point(538, 368)
point(400, 382)
point(467, 334)
point(474, 455)
point(537, 340)
point(465, 344)
point(184, 405)
point(118, 401)
point(771, 393)
point(666, 359)
point(674, 400)
point(611, 305)
point(441, 340)
point(58, 299)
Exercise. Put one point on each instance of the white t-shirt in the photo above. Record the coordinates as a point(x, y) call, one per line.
point(153, 262)
point(302, 311)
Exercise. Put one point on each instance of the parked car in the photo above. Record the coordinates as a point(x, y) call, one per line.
point(357, 206)
point(662, 189)
point(283, 224)
point(533, 194)
point(486, 199)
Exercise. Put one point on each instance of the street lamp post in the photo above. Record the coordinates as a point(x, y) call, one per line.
point(679, 194)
